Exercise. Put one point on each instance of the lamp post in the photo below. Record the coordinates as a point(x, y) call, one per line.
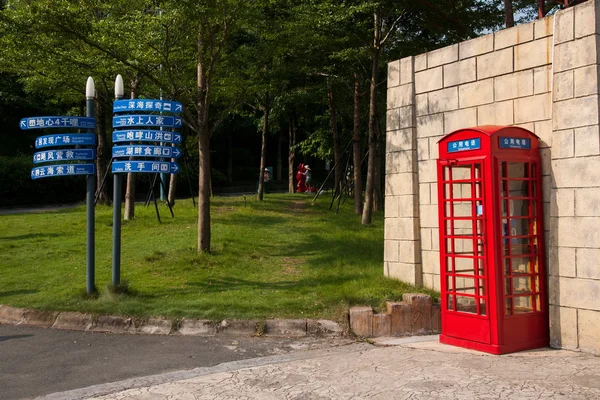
point(90, 95)
point(116, 256)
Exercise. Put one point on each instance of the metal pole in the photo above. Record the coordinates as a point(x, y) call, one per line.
point(90, 203)
point(117, 188)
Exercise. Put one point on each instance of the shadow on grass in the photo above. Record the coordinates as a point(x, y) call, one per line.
point(17, 292)
point(31, 236)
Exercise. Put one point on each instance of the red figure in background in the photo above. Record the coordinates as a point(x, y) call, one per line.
point(300, 179)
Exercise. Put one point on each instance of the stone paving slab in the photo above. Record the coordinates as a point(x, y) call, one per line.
point(410, 369)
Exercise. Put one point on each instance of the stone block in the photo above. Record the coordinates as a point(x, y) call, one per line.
point(239, 327)
point(425, 193)
point(563, 86)
point(429, 215)
point(445, 55)
point(401, 229)
point(427, 171)
point(421, 311)
point(512, 86)
point(409, 251)
point(324, 328)
point(435, 239)
point(588, 172)
point(285, 327)
point(430, 125)
point(460, 72)
point(423, 149)
point(401, 316)
point(533, 54)
point(428, 80)
point(74, 321)
point(400, 140)
point(565, 26)
point(443, 100)
point(420, 62)
point(587, 141)
point(422, 104)
point(391, 206)
point(407, 70)
point(476, 93)
point(546, 164)
point(493, 64)
point(587, 201)
point(112, 324)
point(408, 206)
point(564, 144)
point(543, 27)
point(382, 325)
point(400, 96)
point(575, 54)
point(575, 113)
point(390, 250)
point(434, 193)
point(44, 319)
point(579, 293)
point(586, 20)
point(562, 203)
point(542, 80)
point(579, 232)
point(400, 161)
point(393, 75)
point(513, 36)
point(154, 326)
point(589, 331)
point(426, 243)
point(475, 47)
point(436, 317)
point(588, 261)
point(12, 315)
point(361, 321)
point(464, 118)
point(399, 184)
point(197, 327)
point(544, 130)
point(534, 108)
point(409, 273)
point(586, 80)
point(499, 113)
point(563, 327)
point(434, 152)
point(399, 118)
point(431, 262)
point(562, 261)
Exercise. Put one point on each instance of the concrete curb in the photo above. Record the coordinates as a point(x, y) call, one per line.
point(163, 326)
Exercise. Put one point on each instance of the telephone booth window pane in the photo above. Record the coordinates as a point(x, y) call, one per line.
point(508, 306)
point(466, 304)
point(521, 285)
point(523, 304)
point(521, 265)
point(450, 302)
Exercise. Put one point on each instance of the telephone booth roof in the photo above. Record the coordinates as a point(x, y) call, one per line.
point(488, 139)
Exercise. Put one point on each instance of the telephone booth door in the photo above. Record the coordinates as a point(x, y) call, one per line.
point(464, 277)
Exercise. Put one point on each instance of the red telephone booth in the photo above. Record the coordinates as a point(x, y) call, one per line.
point(491, 240)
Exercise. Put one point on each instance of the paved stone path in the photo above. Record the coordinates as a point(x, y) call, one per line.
point(413, 368)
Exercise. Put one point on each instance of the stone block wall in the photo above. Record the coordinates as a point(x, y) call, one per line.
point(542, 76)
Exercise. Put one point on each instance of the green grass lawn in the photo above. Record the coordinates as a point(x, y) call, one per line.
point(284, 257)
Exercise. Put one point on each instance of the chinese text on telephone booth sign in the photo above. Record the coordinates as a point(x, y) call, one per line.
point(464, 145)
point(514, 143)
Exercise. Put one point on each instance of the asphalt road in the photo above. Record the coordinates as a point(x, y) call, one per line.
point(37, 361)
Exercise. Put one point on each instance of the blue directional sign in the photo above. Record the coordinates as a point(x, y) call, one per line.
point(146, 136)
point(64, 155)
point(146, 120)
point(464, 145)
point(147, 105)
point(146, 151)
point(57, 122)
point(66, 139)
point(63, 170)
point(514, 143)
point(145, 166)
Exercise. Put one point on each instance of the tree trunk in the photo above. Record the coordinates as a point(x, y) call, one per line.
point(102, 196)
point(368, 206)
point(279, 160)
point(229, 159)
point(263, 149)
point(509, 17)
point(292, 152)
point(203, 151)
point(337, 173)
point(129, 212)
point(356, 152)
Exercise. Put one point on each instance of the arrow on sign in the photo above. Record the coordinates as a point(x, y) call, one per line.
point(176, 152)
point(23, 124)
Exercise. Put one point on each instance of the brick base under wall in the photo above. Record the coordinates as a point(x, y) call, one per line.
point(415, 315)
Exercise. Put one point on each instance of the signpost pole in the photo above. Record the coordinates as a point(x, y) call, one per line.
point(116, 256)
point(90, 94)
